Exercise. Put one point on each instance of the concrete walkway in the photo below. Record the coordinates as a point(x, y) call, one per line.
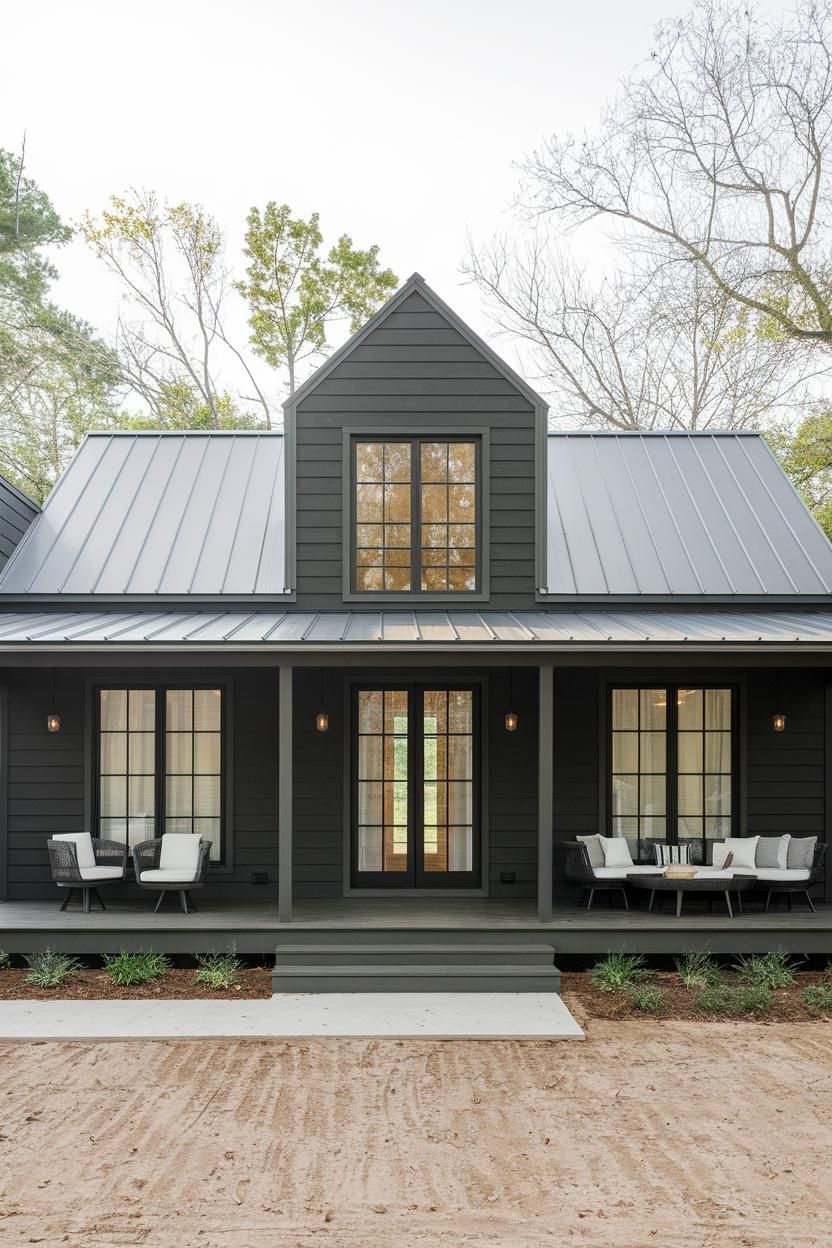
point(411, 1015)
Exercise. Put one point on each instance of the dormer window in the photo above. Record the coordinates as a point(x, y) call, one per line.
point(416, 515)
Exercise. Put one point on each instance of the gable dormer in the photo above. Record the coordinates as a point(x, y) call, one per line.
point(417, 455)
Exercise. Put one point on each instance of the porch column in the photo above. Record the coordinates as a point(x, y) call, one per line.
point(545, 791)
point(284, 794)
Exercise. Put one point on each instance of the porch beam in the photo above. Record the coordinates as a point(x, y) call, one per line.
point(284, 794)
point(545, 791)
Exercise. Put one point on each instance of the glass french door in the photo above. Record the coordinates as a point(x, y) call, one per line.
point(415, 809)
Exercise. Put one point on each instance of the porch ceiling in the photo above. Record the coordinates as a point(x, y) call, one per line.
point(229, 631)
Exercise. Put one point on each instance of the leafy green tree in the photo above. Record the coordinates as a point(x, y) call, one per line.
point(57, 379)
point(294, 293)
point(805, 452)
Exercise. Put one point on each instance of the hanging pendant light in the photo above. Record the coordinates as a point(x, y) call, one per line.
point(778, 719)
point(512, 719)
point(322, 718)
point(53, 719)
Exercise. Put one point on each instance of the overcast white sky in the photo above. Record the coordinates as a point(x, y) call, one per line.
point(398, 121)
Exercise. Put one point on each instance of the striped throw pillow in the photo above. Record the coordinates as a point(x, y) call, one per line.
point(667, 854)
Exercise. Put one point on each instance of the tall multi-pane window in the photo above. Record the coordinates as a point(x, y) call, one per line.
point(671, 763)
point(383, 779)
point(448, 796)
point(160, 764)
point(127, 765)
point(415, 516)
point(639, 763)
point(193, 763)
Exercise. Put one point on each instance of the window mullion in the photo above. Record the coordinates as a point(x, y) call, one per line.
point(416, 514)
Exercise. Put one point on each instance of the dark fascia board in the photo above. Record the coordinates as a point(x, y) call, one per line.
point(709, 602)
point(415, 283)
point(143, 602)
point(655, 433)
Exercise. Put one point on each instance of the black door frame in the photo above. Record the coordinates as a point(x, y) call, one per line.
point(416, 879)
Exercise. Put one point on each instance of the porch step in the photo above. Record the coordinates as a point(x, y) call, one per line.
point(380, 967)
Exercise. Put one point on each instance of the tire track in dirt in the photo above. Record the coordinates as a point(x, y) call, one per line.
point(680, 1134)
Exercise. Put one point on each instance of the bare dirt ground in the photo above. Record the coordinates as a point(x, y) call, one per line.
point(678, 1134)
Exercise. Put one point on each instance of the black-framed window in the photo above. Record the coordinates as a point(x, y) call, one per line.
point(672, 763)
point(415, 786)
point(415, 515)
point(160, 763)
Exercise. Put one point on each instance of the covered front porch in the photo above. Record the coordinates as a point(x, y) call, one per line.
point(254, 928)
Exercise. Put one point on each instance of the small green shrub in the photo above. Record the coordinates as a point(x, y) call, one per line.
point(646, 997)
point(716, 999)
point(753, 999)
point(5, 960)
point(819, 995)
point(219, 970)
point(618, 971)
point(697, 969)
point(128, 969)
point(47, 968)
point(767, 970)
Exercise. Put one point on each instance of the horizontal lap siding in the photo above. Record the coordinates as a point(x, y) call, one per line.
point(416, 371)
point(16, 514)
point(512, 785)
point(47, 775)
point(785, 788)
point(318, 800)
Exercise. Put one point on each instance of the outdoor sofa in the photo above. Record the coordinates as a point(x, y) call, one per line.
point(782, 865)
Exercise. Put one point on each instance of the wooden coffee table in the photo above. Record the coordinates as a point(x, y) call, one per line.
point(726, 885)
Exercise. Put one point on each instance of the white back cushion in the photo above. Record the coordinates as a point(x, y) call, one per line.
point(744, 849)
point(83, 847)
point(180, 852)
point(616, 851)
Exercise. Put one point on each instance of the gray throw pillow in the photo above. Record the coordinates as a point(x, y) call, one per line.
point(767, 850)
point(594, 849)
point(801, 853)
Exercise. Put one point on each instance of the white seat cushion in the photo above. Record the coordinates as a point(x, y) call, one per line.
point(158, 876)
point(621, 873)
point(788, 875)
point(101, 873)
point(180, 852)
point(717, 873)
point(83, 847)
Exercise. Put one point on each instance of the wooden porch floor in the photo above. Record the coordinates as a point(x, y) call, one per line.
point(254, 929)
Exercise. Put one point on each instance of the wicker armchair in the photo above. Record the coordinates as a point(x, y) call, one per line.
point(579, 870)
point(109, 863)
point(791, 887)
point(155, 872)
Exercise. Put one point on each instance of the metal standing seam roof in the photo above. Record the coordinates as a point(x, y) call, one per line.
point(677, 514)
point(340, 631)
point(162, 514)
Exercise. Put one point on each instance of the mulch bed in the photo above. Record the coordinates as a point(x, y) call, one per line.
point(177, 985)
point(679, 1002)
